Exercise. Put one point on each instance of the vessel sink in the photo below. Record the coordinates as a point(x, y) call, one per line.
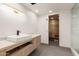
point(19, 38)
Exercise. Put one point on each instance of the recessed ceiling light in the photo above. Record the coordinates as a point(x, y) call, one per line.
point(50, 11)
point(36, 11)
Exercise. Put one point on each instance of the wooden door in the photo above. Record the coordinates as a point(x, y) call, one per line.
point(53, 26)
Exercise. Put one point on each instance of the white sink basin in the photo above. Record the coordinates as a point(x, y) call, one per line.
point(19, 38)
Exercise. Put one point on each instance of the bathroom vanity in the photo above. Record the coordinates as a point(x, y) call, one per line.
point(19, 46)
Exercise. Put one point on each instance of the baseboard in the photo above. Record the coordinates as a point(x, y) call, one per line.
point(44, 44)
point(74, 52)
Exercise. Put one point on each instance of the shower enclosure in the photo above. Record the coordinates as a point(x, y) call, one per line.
point(75, 28)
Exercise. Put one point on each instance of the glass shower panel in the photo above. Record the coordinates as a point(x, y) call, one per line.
point(75, 27)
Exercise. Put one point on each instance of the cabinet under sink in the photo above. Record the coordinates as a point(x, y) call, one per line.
point(21, 45)
point(22, 50)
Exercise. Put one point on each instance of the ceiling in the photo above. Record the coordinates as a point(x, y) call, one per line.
point(44, 8)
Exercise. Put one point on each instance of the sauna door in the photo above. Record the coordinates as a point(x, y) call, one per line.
point(53, 26)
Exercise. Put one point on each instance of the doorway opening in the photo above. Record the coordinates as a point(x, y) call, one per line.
point(54, 30)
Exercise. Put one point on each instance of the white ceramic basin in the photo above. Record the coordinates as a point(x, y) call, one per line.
point(19, 38)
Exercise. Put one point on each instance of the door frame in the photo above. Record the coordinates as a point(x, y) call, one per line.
point(59, 28)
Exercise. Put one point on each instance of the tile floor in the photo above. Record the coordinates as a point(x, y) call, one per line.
point(48, 50)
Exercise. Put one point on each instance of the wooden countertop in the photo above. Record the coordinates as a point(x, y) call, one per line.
point(35, 35)
point(4, 44)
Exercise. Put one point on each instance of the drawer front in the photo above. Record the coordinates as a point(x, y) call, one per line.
point(24, 51)
point(28, 49)
point(2, 53)
point(17, 53)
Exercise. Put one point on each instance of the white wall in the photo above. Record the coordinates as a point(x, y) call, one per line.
point(10, 21)
point(43, 28)
point(64, 30)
